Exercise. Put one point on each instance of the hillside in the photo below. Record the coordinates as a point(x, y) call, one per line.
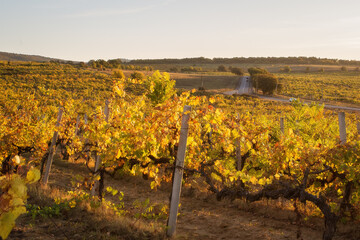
point(5, 56)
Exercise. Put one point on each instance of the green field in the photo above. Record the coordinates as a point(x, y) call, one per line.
point(210, 82)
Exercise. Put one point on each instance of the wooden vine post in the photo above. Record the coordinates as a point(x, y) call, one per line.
point(282, 126)
point(342, 127)
point(178, 173)
point(77, 125)
point(52, 149)
point(239, 165)
point(358, 127)
point(97, 156)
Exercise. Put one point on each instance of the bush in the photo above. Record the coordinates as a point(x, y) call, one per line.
point(174, 69)
point(237, 71)
point(160, 87)
point(118, 74)
point(343, 68)
point(191, 69)
point(265, 82)
point(286, 69)
point(253, 71)
point(222, 68)
point(137, 75)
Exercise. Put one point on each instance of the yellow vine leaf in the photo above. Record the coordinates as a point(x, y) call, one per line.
point(33, 175)
point(253, 180)
point(7, 222)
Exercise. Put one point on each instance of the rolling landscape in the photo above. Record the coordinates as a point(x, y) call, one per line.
point(129, 121)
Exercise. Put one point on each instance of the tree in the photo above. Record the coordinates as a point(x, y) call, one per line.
point(82, 64)
point(119, 74)
point(266, 82)
point(114, 63)
point(254, 70)
point(222, 68)
point(237, 71)
point(286, 69)
point(92, 64)
point(174, 69)
point(137, 75)
point(191, 69)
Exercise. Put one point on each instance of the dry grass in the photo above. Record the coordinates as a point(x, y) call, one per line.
point(81, 222)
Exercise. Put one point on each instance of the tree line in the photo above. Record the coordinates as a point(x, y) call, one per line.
point(249, 60)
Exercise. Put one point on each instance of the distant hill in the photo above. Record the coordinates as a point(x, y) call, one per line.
point(5, 56)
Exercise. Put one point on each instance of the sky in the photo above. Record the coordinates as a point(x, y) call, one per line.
point(81, 30)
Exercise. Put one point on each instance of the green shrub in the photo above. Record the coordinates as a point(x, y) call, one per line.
point(137, 75)
point(174, 69)
point(237, 71)
point(191, 69)
point(221, 68)
point(286, 69)
point(265, 82)
point(160, 87)
point(254, 71)
point(119, 74)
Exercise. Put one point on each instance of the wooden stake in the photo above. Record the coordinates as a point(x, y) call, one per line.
point(97, 156)
point(97, 165)
point(342, 127)
point(77, 124)
point(358, 127)
point(52, 149)
point(239, 165)
point(106, 110)
point(282, 127)
point(178, 173)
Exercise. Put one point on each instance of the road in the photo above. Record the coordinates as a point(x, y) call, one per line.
point(245, 87)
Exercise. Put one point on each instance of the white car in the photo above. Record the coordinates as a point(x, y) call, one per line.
point(292, 99)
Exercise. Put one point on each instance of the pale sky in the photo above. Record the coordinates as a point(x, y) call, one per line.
point(81, 30)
